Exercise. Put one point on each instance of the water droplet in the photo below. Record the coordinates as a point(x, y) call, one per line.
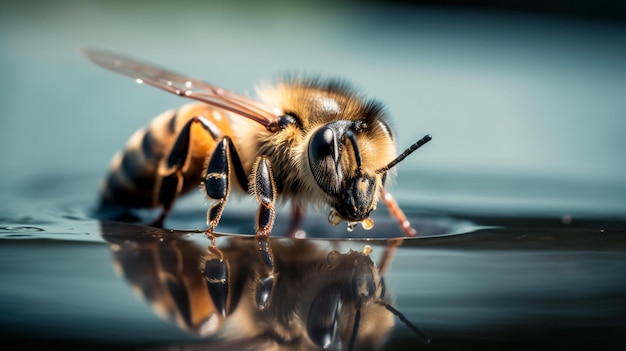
point(367, 223)
point(367, 250)
point(333, 217)
point(566, 218)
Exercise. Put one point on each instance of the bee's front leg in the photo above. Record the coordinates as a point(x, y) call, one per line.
point(397, 213)
point(264, 189)
point(405, 225)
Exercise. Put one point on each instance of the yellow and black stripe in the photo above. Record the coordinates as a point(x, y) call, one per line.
point(134, 171)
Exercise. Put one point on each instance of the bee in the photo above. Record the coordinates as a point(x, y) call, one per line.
point(310, 141)
point(325, 299)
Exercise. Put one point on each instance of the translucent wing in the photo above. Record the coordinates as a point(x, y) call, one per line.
point(181, 85)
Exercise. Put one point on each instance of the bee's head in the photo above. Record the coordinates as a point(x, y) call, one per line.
point(336, 162)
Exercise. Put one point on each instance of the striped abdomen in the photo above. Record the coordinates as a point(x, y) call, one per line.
point(134, 171)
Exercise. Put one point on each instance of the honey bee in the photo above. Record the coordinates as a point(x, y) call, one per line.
point(325, 299)
point(310, 141)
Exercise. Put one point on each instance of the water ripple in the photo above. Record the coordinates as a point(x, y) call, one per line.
point(20, 229)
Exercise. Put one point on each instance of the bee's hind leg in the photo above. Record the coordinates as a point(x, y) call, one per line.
point(169, 191)
point(170, 180)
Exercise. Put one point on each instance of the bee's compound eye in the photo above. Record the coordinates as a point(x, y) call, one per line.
point(333, 217)
point(323, 144)
point(323, 160)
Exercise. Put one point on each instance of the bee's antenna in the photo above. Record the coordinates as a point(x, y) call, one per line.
point(406, 322)
point(406, 153)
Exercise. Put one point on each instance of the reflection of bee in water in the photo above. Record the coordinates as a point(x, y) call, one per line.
point(322, 299)
point(309, 141)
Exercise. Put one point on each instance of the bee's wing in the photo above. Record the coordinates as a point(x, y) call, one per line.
point(181, 85)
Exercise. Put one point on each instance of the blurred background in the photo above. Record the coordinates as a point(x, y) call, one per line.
point(524, 99)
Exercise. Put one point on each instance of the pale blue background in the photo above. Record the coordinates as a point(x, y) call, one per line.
point(526, 111)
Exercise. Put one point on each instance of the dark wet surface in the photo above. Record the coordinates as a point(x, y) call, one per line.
point(507, 282)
